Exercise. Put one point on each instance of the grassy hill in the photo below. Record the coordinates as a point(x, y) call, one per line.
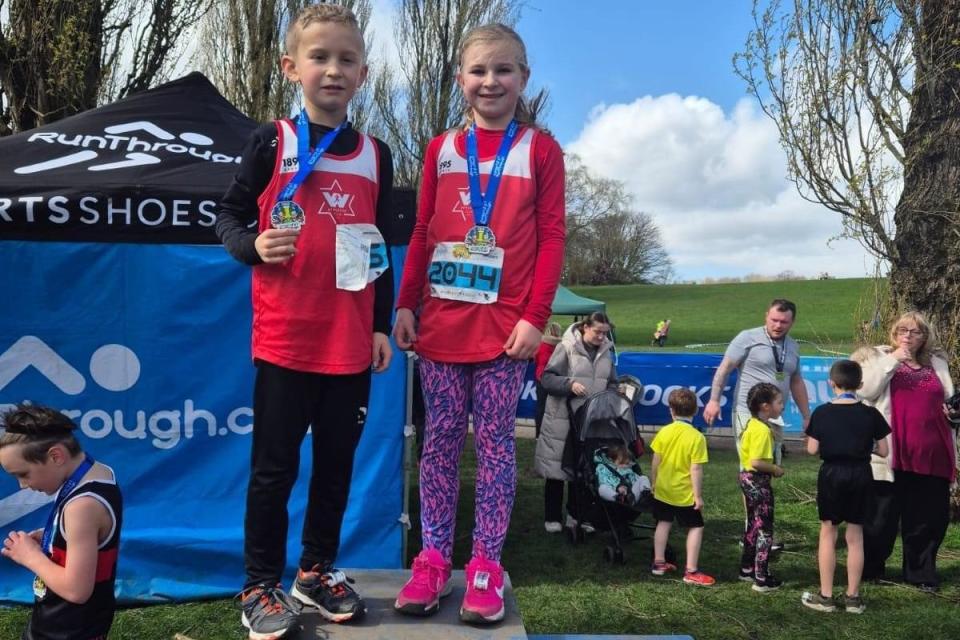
point(829, 312)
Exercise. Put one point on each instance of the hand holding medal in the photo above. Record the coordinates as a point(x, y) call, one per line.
point(19, 546)
point(276, 246)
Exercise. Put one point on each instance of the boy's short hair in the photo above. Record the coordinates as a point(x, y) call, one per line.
point(683, 403)
point(846, 375)
point(760, 394)
point(37, 428)
point(322, 12)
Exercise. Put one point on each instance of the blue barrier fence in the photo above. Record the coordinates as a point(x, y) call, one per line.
point(661, 373)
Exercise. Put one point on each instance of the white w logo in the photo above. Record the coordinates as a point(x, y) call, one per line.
point(336, 200)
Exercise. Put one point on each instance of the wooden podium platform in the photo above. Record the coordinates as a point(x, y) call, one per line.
point(379, 589)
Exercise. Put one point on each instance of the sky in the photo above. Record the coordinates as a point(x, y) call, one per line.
point(644, 92)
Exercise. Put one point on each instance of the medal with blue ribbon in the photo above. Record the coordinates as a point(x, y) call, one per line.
point(287, 214)
point(480, 237)
point(46, 542)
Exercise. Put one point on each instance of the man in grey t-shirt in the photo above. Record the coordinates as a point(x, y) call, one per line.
point(762, 354)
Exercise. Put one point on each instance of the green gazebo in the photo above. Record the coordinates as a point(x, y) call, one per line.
point(567, 303)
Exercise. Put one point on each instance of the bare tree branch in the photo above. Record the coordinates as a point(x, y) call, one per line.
point(420, 100)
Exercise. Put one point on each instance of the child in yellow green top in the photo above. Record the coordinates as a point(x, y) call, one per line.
point(679, 453)
point(765, 402)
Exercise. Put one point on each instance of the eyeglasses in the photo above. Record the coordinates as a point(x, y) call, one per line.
point(903, 331)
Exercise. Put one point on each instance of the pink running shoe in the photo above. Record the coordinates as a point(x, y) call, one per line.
point(430, 582)
point(483, 602)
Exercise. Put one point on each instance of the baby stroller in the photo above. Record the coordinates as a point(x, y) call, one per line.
point(605, 420)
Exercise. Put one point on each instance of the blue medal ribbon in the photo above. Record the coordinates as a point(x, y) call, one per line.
point(307, 160)
point(482, 203)
point(847, 396)
point(46, 543)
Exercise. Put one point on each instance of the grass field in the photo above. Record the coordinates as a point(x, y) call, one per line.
point(829, 312)
point(565, 589)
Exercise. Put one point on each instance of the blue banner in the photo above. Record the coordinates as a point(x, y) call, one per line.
point(661, 373)
point(147, 349)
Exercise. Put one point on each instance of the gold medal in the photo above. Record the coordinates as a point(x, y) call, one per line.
point(39, 588)
point(287, 214)
point(480, 239)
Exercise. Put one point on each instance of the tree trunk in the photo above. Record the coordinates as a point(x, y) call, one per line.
point(926, 277)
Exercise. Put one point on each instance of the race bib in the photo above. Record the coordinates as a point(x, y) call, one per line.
point(457, 274)
point(361, 256)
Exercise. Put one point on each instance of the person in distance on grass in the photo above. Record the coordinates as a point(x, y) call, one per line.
point(74, 557)
point(844, 432)
point(304, 211)
point(679, 453)
point(756, 470)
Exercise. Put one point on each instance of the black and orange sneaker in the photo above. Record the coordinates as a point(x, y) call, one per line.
point(329, 591)
point(267, 612)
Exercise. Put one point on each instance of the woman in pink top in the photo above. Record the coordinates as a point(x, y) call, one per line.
point(908, 382)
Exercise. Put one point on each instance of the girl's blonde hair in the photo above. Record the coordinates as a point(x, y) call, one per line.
point(497, 32)
point(554, 329)
point(930, 344)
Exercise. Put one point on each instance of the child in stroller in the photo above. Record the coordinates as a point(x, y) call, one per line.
point(600, 457)
point(618, 476)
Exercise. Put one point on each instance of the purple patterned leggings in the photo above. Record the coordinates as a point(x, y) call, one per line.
point(492, 390)
point(759, 532)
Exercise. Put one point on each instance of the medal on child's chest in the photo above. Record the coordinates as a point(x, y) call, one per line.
point(480, 239)
point(39, 588)
point(46, 540)
point(287, 214)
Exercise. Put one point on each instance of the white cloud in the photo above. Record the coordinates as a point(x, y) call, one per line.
point(717, 186)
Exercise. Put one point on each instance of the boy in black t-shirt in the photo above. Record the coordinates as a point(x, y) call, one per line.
point(845, 432)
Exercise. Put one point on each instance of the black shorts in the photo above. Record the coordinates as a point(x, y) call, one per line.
point(685, 516)
point(844, 491)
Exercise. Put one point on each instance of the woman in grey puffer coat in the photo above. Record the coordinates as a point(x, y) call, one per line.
point(580, 366)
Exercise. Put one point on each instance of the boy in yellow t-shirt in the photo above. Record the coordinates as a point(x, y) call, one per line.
point(679, 453)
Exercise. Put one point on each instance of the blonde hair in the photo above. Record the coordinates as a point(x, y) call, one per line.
point(498, 32)
point(323, 12)
point(930, 344)
point(554, 329)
